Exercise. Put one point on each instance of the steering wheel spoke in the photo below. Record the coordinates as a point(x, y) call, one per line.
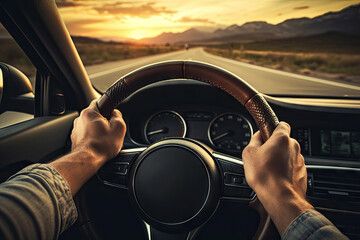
point(115, 172)
point(235, 185)
point(236, 188)
point(154, 234)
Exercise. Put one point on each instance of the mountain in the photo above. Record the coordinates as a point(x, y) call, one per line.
point(249, 27)
point(81, 39)
point(346, 21)
point(191, 34)
point(328, 42)
point(91, 40)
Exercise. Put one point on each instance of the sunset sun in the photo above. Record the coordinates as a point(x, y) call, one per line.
point(137, 34)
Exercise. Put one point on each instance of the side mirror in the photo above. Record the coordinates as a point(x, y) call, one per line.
point(16, 93)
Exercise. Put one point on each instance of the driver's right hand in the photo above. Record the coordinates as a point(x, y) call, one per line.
point(275, 170)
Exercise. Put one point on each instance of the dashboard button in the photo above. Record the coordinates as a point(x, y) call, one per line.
point(234, 180)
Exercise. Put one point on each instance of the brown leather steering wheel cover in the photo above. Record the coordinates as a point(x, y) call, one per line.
point(253, 101)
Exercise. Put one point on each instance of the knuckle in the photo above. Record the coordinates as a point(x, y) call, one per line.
point(117, 112)
point(86, 112)
point(302, 161)
point(285, 125)
point(248, 152)
point(296, 146)
point(283, 139)
point(120, 123)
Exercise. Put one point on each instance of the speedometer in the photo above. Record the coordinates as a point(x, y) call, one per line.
point(230, 132)
point(163, 125)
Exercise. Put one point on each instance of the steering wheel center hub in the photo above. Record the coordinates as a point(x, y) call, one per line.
point(175, 184)
point(171, 184)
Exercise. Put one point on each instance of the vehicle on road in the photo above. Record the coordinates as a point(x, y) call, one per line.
point(187, 99)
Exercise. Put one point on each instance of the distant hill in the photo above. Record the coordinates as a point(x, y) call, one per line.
point(91, 40)
point(240, 37)
point(81, 39)
point(346, 21)
point(329, 42)
point(191, 34)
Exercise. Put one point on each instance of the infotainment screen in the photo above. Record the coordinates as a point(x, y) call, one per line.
point(355, 143)
point(340, 143)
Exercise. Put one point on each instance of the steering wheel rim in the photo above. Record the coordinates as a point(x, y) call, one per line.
point(253, 101)
point(250, 98)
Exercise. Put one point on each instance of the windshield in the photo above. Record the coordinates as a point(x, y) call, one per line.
point(280, 47)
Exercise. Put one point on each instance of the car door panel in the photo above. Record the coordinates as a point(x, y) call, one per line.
point(36, 140)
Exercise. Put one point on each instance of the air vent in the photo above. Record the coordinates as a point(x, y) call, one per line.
point(339, 187)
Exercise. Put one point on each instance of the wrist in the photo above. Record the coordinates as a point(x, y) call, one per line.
point(283, 204)
point(90, 157)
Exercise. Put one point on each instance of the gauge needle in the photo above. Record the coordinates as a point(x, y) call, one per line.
point(163, 130)
point(221, 135)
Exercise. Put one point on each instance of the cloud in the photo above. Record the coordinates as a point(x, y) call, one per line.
point(195, 20)
point(66, 3)
point(301, 7)
point(84, 25)
point(145, 10)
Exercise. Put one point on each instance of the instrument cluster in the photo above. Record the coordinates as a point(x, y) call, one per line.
point(228, 132)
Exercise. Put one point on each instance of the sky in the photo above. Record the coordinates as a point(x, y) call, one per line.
point(119, 20)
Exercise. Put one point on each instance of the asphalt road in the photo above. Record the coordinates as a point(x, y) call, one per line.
point(265, 80)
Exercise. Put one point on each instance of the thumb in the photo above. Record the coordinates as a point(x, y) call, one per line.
point(256, 140)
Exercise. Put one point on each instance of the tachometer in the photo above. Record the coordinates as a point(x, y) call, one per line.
point(164, 124)
point(230, 132)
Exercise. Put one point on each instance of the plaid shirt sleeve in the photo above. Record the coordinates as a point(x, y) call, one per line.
point(312, 225)
point(35, 203)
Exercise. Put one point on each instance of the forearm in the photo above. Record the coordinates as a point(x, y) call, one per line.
point(77, 167)
point(36, 203)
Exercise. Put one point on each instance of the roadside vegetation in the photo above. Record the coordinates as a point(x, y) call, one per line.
point(329, 53)
point(91, 51)
point(12, 54)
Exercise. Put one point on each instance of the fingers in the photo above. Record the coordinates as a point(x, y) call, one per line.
point(117, 122)
point(280, 134)
point(256, 140)
point(93, 105)
point(282, 128)
point(116, 113)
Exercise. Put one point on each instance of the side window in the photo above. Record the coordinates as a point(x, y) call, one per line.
point(17, 82)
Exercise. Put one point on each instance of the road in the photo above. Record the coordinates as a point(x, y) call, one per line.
point(265, 80)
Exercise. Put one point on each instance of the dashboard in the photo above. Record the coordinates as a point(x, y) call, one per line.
point(328, 133)
point(224, 130)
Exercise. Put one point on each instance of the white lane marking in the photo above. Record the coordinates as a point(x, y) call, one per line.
point(307, 78)
point(95, 75)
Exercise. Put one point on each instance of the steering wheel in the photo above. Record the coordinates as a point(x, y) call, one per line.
point(175, 185)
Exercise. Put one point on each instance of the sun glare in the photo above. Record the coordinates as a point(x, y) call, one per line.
point(137, 34)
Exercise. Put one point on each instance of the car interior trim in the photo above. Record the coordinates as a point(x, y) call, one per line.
point(148, 230)
point(132, 150)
